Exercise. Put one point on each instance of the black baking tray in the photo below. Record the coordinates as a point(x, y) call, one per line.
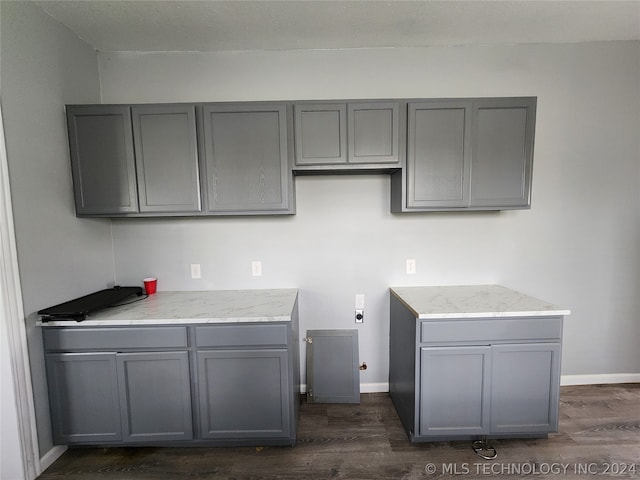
point(79, 308)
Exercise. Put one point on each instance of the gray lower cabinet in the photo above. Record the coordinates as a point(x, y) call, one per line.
point(467, 154)
point(215, 384)
point(247, 158)
point(83, 396)
point(155, 396)
point(348, 136)
point(113, 397)
point(466, 378)
point(244, 394)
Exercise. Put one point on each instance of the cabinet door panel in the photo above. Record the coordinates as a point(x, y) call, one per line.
point(155, 396)
point(247, 159)
point(83, 394)
point(321, 134)
point(454, 397)
point(438, 154)
point(502, 152)
point(166, 158)
point(102, 159)
point(525, 388)
point(373, 132)
point(243, 393)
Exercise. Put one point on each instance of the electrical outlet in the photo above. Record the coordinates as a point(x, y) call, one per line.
point(359, 316)
point(195, 270)
point(411, 266)
point(256, 268)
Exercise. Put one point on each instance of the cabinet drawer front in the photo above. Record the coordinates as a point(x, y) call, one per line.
point(489, 330)
point(68, 339)
point(240, 335)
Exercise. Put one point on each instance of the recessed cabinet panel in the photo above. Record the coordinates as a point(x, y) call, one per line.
point(155, 396)
point(166, 158)
point(524, 389)
point(373, 132)
point(247, 160)
point(83, 394)
point(438, 155)
point(502, 152)
point(454, 397)
point(243, 393)
point(102, 159)
point(321, 134)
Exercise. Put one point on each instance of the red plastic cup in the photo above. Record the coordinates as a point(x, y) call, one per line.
point(150, 285)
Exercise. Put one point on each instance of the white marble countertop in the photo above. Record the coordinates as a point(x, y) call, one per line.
point(473, 301)
point(214, 306)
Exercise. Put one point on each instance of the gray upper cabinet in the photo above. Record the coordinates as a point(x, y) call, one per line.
point(321, 133)
point(374, 129)
point(348, 136)
point(438, 150)
point(247, 158)
point(503, 137)
point(102, 159)
point(473, 154)
point(166, 152)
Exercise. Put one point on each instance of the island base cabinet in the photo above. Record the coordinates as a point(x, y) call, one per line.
point(244, 394)
point(454, 398)
point(525, 388)
point(155, 396)
point(83, 395)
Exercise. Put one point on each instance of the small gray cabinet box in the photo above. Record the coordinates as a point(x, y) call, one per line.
point(102, 159)
point(166, 151)
point(247, 158)
point(348, 136)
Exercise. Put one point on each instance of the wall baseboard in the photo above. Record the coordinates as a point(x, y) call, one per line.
point(599, 378)
point(565, 380)
point(51, 456)
point(382, 387)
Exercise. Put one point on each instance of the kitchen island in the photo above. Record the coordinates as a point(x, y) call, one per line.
point(474, 361)
point(178, 368)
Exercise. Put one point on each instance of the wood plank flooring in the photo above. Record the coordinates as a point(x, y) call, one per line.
point(599, 437)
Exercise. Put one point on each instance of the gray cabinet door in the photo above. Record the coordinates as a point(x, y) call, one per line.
point(333, 374)
point(503, 138)
point(155, 396)
point(247, 160)
point(525, 388)
point(244, 394)
point(321, 133)
point(166, 158)
point(454, 391)
point(373, 132)
point(438, 154)
point(102, 159)
point(83, 395)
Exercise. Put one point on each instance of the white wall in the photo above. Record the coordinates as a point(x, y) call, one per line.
point(44, 67)
point(577, 247)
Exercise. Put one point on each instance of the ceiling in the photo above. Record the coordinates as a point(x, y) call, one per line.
point(322, 24)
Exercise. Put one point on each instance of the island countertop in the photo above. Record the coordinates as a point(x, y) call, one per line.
point(212, 306)
point(472, 301)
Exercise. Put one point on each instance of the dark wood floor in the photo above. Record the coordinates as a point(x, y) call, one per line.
point(599, 437)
